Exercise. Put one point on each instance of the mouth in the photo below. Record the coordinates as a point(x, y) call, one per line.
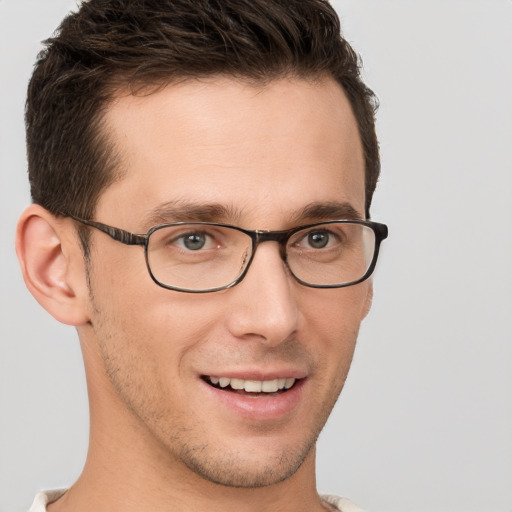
point(269, 398)
point(251, 387)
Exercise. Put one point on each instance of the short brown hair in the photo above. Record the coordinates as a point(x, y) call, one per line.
point(111, 44)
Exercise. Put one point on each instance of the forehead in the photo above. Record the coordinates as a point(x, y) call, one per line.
point(257, 150)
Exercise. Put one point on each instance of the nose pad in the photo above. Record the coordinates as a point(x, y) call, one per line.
point(264, 303)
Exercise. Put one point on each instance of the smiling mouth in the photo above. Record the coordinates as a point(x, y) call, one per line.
point(251, 387)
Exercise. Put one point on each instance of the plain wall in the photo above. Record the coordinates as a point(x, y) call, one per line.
point(425, 420)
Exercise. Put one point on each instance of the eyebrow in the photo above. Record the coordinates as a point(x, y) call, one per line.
point(328, 211)
point(185, 211)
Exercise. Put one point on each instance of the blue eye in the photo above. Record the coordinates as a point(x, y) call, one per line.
point(194, 241)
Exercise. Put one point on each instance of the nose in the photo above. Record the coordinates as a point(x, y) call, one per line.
point(264, 304)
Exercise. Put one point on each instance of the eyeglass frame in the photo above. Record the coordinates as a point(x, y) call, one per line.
point(257, 237)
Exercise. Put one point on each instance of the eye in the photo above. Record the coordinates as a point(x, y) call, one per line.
point(318, 239)
point(194, 241)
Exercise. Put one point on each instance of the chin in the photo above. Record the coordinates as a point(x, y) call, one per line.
point(234, 470)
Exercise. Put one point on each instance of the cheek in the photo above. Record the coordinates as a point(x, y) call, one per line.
point(337, 312)
point(145, 339)
point(333, 318)
point(158, 324)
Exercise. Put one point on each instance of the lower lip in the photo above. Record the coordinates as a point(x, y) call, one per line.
point(260, 407)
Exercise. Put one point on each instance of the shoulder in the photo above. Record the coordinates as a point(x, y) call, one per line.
point(341, 504)
point(43, 498)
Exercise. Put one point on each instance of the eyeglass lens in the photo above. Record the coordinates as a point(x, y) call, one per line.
point(203, 257)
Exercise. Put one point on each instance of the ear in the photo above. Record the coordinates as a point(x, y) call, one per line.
point(368, 300)
point(52, 264)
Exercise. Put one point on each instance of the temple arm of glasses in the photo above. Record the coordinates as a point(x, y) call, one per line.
point(125, 237)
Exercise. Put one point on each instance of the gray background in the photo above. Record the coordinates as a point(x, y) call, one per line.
point(425, 420)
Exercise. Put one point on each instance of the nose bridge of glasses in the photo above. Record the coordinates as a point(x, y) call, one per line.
point(281, 237)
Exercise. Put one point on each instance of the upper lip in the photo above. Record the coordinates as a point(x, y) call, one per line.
point(258, 375)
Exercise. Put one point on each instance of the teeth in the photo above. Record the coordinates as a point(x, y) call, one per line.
point(269, 386)
point(253, 386)
point(237, 383)
point(289, 383)
point(224, 382)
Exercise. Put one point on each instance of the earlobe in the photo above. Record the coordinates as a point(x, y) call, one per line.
point(44, 246)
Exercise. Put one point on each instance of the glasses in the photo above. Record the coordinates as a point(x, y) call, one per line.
point(200, 257)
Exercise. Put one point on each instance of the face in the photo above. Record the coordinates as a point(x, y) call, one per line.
point(270, 157)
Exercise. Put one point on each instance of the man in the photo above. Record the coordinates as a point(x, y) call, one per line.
point(232, 146)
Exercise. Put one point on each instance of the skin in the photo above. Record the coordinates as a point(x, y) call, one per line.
point(160, 440)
